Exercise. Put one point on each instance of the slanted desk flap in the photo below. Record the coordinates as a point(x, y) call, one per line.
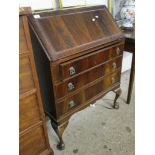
point(67, 32)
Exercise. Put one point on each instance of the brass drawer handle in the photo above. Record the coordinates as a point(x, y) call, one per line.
point(118, 51)
point(113, 80)
point(114, 65)
point(71, 104)
point(72, 70)
point(70, 86)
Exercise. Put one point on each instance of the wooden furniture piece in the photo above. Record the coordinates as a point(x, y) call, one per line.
point(78, 54)
point(130, 47)
point(33, 138)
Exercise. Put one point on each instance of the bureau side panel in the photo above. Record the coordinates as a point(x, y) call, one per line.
point(44, 75)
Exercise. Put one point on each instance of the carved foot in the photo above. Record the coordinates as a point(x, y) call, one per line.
point(60, 145)
point(118, 93)
point(59, 131)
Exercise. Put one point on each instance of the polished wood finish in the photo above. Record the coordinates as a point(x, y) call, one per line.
point(78, 54)
point(65, 40)
point(130, 47)
point(89, 76)
point(90, 60)
point(33, 138)
point(25, 73)
point(86, 93)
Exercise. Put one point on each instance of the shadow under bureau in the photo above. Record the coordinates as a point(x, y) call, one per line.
point(78, 54)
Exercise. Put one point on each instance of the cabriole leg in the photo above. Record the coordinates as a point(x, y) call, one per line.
point(118, 93)
point(59, 131)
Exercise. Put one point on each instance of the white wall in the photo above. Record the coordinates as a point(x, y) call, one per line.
point(67, 3)
point(126, 64)
point(36, 4)
point(45, 4)
point(96, 2)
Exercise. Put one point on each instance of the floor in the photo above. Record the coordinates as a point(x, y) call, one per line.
point(99, 129)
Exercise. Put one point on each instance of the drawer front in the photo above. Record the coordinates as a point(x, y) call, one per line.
point(83, 63)
point(26, 82)
point(85, 95)
point(32, 142)
point(29, 112)
point(102, 85)
point(68, 104)
point(75, 83)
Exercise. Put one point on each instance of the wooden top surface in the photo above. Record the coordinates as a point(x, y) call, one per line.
point(66, 32)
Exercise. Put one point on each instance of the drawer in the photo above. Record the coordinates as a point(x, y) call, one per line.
point(87, 77)
point(68, 104)
point(83, 63)
point(26, 82)
point(29, 112)
point(83, 96)
point(102, 85)
point(32, 142)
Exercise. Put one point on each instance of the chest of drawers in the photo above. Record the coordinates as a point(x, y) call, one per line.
point(33, 138)
point(78, 54)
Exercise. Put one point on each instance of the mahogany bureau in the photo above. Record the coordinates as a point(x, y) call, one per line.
point(78, 54)
point(33, 138)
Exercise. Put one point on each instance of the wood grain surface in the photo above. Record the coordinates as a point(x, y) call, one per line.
point(78, 55)
point(33, 138)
